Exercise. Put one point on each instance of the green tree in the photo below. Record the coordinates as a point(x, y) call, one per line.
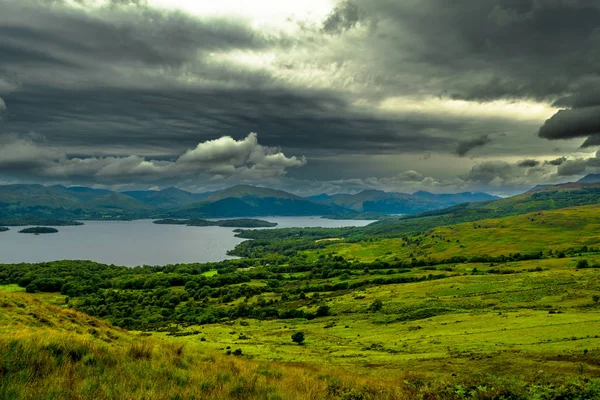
point(298, 337)
point(596, 298)
point(31, 288)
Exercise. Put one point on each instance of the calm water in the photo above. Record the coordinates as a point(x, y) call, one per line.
point(137, 242)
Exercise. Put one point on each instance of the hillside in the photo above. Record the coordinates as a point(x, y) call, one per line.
point(49, 351)
point(250, 201)
point(540, 199)
point(590, 178)
point(532, 233)
point(37, 204)
point(377, 201)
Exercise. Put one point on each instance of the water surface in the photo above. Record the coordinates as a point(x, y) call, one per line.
point(137, 242)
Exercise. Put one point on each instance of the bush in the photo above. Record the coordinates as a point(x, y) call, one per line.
point(298, 337)
point(377, 305)
point(31, 288)
point(322, 311)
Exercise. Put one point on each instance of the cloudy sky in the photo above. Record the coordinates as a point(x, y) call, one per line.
point(310, 96)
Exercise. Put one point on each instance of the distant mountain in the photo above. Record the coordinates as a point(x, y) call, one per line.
point(591, 178)
point(247, 201)
point(55, 205)
point(170, 198)
point(27, 203)
point(451, 199)
point(376, 201)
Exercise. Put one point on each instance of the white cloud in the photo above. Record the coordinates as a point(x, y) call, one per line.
point(221, 158)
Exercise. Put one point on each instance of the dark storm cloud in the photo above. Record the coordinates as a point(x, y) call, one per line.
point(484, 49)
point(130, 80)
point(179, 118)
point(32, 34)
point(570, 124)
point(528, 163)
point(465, 146)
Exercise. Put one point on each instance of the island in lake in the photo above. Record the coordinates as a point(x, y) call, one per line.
point(3, 229)
point(227, 223)
point(38, 230)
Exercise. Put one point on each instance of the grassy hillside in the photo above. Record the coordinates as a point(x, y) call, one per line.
point(57, 205)
point(544, 198)
point(48, 351)
point(541, 231)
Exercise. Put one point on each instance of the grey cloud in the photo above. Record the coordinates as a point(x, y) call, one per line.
point(129, 79)
point(65, 46)
point(483, 49)
point(528, 163)
point(579, 166)
point(465, 146)
point(569, 124)
point(487, 172)
point(174, 119)
point(556, 162)
point(592, 141)
point(345, 16)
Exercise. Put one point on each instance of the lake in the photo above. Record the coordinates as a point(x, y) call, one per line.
point(138, 242)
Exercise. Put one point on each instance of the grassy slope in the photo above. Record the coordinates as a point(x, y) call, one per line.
point(47, 351)
point(548, 198)
point(528, 233)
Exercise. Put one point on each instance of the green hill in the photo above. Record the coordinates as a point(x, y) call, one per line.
point(540, 199)
point(37, 204)
point(247, 201)
point(169, 198)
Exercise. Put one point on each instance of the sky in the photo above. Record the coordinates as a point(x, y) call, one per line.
point(313, 96)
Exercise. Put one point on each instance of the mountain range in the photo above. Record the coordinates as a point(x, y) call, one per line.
point(377, 201)
point(37, 204)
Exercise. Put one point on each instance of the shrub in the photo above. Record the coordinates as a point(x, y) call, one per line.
point(377, 305)
point(298, 337)
point(323, 311)
point(31, 288)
